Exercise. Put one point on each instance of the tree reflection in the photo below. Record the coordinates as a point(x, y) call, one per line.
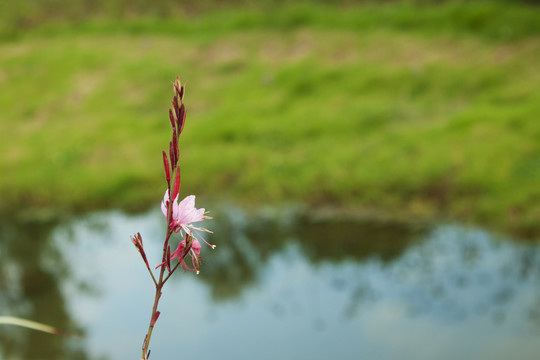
point(449, 272)
point(339, 239)
point(446, 273)
point(462, 273)
point(31, 273)
point(247, 242)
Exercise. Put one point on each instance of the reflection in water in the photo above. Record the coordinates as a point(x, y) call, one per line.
point(247, 243)
point(32, 271)
point(279, 285)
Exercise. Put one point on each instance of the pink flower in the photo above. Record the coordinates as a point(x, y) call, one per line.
point(193, 252)
point(184, 214)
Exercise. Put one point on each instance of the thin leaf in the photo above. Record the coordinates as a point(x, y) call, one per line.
point(11, 320)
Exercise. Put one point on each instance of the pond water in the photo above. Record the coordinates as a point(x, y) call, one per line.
point(279, 285)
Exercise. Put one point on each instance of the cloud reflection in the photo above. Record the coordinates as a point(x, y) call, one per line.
point(282, 284)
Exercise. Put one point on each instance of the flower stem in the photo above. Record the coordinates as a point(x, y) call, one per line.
point(159, 286)
point(146, 344)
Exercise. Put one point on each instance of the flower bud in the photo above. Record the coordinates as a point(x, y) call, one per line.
point(173, 120)
point(181, 118)
point(166, 166)
point(154, 318)
point(176, 188)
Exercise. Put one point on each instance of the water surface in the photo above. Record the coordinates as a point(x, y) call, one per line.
point(279, 285)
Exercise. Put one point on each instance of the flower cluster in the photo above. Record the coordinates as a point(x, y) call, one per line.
point(184, 214)
point(180, 215)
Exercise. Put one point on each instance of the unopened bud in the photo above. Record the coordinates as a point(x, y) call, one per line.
point(137, 241)
point(166, 166)
point(176, 188)
point(154, 318)
point(181, 91)
point(181, 118)
point(173, 120)
point(175, 100)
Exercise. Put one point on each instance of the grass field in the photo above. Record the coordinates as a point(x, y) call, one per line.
point(408, 110)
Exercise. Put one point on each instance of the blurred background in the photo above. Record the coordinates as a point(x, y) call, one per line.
point(373, 169)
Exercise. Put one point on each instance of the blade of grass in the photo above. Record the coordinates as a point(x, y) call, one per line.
point(34, 325)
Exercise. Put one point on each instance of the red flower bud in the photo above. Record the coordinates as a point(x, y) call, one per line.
point(181, 91)
point(176, 183)
point(181, 119)
point(137, 241)
point(154, 318)
point(176, 99)
point(173, 120)
point(177, 112)
point(179, 88)
point(166, 166)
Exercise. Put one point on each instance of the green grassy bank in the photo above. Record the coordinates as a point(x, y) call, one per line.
point(409, 110)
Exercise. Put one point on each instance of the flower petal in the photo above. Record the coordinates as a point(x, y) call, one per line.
point(164, 202)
